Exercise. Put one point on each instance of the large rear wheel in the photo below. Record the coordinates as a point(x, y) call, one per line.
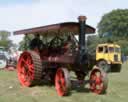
point(29, 68)
point(62, 82)
point(98, 81)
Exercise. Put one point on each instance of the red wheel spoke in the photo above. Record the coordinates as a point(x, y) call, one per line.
point(31, 72)
point(98, 80)
point(31, 69)
point(23, 61)
point(31, 75)
point(93, 77)
point(28, 76)
point(29, 61)
point(22, 71)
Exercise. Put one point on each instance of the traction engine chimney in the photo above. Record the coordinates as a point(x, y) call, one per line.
point(82, 32)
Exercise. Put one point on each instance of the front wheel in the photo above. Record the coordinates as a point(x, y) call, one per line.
point(62, 81)
point(98, 81)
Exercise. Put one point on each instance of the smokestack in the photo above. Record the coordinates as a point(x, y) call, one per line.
point(82, 32)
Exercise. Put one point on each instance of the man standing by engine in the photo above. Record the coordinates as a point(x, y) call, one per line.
point(36, 44)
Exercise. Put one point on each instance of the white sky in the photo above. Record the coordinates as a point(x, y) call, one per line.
point(18, 15)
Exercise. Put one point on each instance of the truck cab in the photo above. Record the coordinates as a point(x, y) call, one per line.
point(110, 54)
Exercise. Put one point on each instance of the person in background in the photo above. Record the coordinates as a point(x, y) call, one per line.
point(36, 44)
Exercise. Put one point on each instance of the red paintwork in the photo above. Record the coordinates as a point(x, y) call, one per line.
point(57, 56)
point(25, 69)
point(97, 83)
point(60, 83)
point(59, 59)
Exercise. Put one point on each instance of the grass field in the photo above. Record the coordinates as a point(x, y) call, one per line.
point(11, 91)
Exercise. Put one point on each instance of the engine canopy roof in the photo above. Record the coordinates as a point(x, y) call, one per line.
point(59, 28)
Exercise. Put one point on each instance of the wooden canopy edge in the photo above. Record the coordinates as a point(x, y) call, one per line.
point(66, 26)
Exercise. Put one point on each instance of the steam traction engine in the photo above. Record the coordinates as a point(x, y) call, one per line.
point(57, 58)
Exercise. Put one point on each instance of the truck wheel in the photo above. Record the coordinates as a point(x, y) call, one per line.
point(29, 68)
point(104, 66)
point(62, 81)
point(98, 81)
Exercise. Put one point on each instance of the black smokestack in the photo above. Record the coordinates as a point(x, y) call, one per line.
point(82, 32)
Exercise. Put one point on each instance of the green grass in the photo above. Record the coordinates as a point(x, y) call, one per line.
point(12, 91)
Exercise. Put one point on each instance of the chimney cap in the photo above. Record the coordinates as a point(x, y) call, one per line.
point(82, 18)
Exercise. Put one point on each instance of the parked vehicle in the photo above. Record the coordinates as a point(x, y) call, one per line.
point(8, 60)
point(3, 58)
point(58, 55)
point(108, 56)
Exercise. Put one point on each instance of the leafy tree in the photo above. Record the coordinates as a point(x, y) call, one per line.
point(24, 44)
point(4, 35)
point(4, 39)
point(115, 23)
point(92, 42)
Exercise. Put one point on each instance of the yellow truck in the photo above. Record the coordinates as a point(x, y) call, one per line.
point(108, 57)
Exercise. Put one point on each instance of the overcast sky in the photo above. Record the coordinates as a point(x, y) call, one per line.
point(22, 14)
